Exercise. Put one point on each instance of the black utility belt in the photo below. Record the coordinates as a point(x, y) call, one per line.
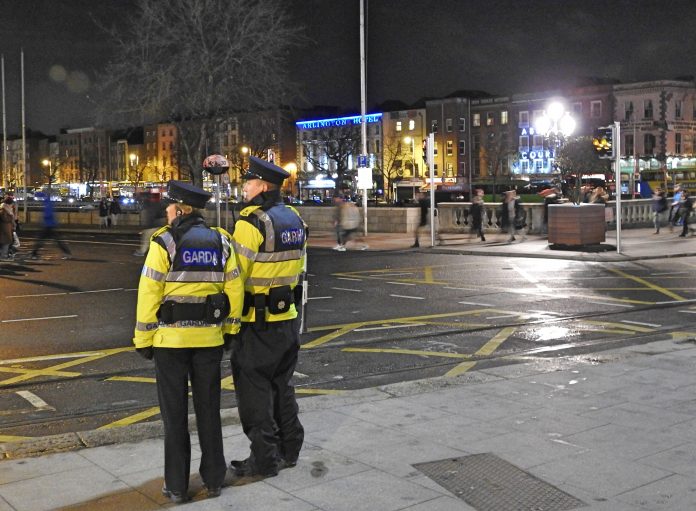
point(277, 301)
point(214, 310)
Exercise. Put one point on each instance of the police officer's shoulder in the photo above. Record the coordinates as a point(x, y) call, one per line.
point(222, 231)
point(292, 208)
point(161, 231)
point(249, 210)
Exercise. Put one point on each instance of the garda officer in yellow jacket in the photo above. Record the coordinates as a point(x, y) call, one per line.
point(189, 296)
point(269, 240)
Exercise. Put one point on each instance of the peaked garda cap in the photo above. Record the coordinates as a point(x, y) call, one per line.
point(266, 171)
point(186, 193)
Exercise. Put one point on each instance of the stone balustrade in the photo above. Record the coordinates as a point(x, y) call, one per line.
point(453, 217)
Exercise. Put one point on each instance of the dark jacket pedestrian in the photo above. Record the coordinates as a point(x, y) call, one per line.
point(686, 206)
point(7, 224)
point(270, 244)
point(103, 213)
point(189, 297)
point(659, 208)
point(477, 213)
point(114, 211)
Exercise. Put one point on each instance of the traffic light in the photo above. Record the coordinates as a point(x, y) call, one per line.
point(603, 142)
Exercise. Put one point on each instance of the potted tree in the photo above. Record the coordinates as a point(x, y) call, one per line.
point(577, 223)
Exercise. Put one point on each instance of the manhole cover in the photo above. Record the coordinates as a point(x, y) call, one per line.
point(489, 483)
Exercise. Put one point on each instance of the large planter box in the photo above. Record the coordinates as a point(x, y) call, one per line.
point(571, 224)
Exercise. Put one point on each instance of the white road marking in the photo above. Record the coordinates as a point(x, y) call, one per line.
point(503, 316)
point(300, 375)
point(401, 283)
point(459, 288)
point(410, 297)
point(689, 312)
point(613, 304)
point(319, 297)
point(547, 312)
point(35, 400)
point(386, 327)
point(346, 289)
point(37, 319)
point(71, 293)
point(640, 323)
point(530, 278)
point(476, 304)
point(669, 273)
point(346, 278)
point(390, 274)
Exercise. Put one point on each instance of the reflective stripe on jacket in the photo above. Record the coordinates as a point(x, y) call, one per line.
point(187, 262)
point(270, 247)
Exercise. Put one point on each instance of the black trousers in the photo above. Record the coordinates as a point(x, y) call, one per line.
point(50, 233)
point(174, 367)
point(263, 363)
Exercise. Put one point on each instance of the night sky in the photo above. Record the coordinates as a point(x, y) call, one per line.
point(416, 48)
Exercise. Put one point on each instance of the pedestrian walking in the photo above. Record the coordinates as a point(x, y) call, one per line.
point(103, 213)
point(150, 216)
point(674, 216)
point(659, 208)
point(7, 224)
point(189, 297)
point(50, 230)
point(338, 204)
point(270, 243)
point(477, 212)
point(686, 206)
point(349, 223)
point(513, 215)
point(114, 211)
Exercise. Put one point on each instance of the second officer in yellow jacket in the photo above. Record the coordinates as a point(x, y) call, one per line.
point(190, 295)
point(270, 241)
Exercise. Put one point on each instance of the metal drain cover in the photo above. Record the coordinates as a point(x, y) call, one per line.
point(489, 483)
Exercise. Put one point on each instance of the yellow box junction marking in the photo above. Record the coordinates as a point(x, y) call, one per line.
point(56, 370)
point(421, 353)
point(647, 284)
point(132, 419)
point(10, 438)
point(484, 350)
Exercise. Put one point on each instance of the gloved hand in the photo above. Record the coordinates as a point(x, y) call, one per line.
point(146, 353)
point(229, 339)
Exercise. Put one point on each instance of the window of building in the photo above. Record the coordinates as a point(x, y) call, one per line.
point(171, 145)
point(450, 148)
point(524, 118)
point(433, 127)
point(524, 166)
point(462, 147)
point(435, 149)
point(628, 144)
point(649, 143)
point(647, 109)
point(476, 144)
point(448, 125)
point(596, 109)
point(377, 128)
point(538, 141)
point(462, 124)
point(536, 115)
point(398, 125)
point(477, 120)
point(411, 125)
point(524, 141)
point(435, 169)
point(538, 166)
point(462, 168)
point(164, 146)
point(628, 110)
point(677, 143)
point(450, 170)
point(577, 108)
point(377, 147)
point(678, 109)
point(490, 119)
point(503, 117)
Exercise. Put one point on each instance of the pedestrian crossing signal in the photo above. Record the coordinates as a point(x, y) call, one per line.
point(603, 142)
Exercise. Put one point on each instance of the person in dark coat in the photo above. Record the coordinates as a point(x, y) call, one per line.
point(686, 205)
point(477, 213)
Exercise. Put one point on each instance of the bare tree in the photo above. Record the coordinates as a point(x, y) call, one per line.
point(577, 158)
point(394, 162)
point(495, 154)
point(329, 153)
point(192, 61)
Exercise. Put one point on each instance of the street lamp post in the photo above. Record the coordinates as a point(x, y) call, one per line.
point(412, 142)
point(556, 124)
point(47, 163)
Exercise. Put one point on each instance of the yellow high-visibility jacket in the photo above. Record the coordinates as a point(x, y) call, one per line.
point(185, 264)
point(270, 247)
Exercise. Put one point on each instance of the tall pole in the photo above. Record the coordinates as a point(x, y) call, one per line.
point(363, 102)
point(24, 144)
point(431, 164)
point(5, 175)
point(617, 177)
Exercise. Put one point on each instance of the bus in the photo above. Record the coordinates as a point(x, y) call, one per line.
point(666, 179)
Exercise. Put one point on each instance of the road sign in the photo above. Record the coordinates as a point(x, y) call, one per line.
point(362, 160)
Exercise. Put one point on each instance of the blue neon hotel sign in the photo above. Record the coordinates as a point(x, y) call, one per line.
point(337, 122)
